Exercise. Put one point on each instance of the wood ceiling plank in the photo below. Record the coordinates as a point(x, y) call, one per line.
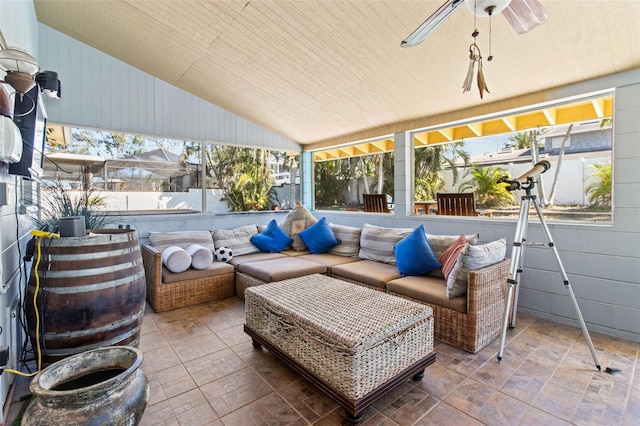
point(322, 72)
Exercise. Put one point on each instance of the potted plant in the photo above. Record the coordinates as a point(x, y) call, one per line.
point(59, 200)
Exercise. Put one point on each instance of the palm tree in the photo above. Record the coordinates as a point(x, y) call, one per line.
point(429, 163)
point(243, 174)
point(599, 191)
point(521, 140)
point(484, 182)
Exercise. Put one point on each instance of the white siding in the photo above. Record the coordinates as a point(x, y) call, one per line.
point(102, 92)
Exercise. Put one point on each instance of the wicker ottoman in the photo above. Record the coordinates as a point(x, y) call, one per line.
point(354, 343)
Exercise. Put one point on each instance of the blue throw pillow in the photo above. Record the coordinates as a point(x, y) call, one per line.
point(414, 255)
point(272, 239)
point(319, 237)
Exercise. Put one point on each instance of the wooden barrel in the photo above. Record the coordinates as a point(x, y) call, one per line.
point(91, 293)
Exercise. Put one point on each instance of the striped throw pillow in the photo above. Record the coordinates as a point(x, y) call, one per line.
point(350, 237)
point(439, 243)
point(238, 239)
point(376, 243)
point(162, 240)
point(450, 255)
point(470, 258)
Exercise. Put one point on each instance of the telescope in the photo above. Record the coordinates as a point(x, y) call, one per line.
point(527, 177)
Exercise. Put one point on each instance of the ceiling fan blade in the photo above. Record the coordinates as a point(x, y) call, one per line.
point(525, 15)
point(433, 22)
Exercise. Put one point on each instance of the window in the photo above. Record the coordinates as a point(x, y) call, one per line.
point(577, 186)
point(139, 173)
point(342, 175)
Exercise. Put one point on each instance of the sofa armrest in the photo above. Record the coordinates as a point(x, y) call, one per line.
point(152, 261)
point(486, 297)
point(487, 286)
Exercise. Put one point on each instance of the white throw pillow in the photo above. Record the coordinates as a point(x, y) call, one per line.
point(470, 258)
point(176, 259)
point(201, 257)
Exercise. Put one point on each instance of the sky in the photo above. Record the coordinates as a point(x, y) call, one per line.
point(487, 144)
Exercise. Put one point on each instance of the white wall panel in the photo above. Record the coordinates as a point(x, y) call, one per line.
point(626, 146)
point(611, 292)
point(102, 92)
point(613, 243)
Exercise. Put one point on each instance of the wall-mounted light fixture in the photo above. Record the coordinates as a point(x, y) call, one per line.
point(20, 68)
point(49, 84)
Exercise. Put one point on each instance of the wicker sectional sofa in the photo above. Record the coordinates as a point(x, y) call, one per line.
point(469, 321)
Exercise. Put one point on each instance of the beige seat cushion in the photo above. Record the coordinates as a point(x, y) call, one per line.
point(216, 268)
point(375, 274)
point(281, 269)
point(254, 257)
point(427, 289)
point(294, 253)
point(329, 260)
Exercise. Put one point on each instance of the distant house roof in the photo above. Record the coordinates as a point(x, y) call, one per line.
point(516, 156)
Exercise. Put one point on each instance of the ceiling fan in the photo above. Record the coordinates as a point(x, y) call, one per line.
point(522, 15)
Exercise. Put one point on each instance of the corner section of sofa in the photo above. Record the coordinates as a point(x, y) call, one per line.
point(472, 326)
point(166, 290)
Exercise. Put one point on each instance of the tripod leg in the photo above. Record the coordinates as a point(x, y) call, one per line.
point(514, 268)
point(514, 310)
point(520, 266)
point(505, 320)
point(567, 285)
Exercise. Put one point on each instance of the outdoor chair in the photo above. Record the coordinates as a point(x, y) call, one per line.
point(377, 203)
point(459, 204)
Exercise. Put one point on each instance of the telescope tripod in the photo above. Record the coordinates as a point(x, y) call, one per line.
point(516, 268)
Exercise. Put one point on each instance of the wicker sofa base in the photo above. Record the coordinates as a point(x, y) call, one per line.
point(166, 297)
point(481, 324)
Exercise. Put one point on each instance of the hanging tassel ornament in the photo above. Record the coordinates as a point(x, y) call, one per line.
point(482, 84)
point(475, 56)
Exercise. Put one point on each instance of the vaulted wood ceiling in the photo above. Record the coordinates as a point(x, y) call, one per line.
point(325, 72)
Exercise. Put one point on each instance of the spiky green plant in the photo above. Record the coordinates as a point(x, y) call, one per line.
point(599, 191)
point(57, 200)
point(484, 182)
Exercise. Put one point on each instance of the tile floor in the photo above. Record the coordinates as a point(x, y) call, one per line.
point(203, 370)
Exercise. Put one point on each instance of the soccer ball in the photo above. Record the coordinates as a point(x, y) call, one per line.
point(223, 254)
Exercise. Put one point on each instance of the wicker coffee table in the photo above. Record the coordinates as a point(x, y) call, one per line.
point(353, 343)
